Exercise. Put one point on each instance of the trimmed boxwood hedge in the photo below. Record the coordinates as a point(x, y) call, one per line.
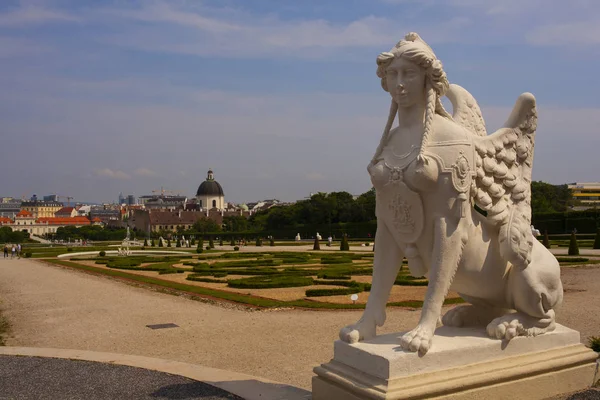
point(403, 281)
point(332, 292)
point(572, 259)
point(268, 282)
point(198, 278)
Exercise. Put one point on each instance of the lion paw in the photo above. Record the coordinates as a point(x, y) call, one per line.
point(362, 330)
point(518, 324)
point(419, 339)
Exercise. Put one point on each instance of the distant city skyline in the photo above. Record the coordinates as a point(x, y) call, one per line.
point(280, 98)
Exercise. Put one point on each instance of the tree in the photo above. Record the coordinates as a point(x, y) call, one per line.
point(546, 241)
point(316, 246)
point(199, 249)
point(177, 242)
point(232, 243)
point(344, 245)
point(211, 244)
point(160, 243)
point(272, 241)
point(547, 198)
point(236, 223)
point(145, 242)
point(597, 240)
point(258, 241)
point(152, 243)
point(573, 246)
point(206, 225)
point(221, 242)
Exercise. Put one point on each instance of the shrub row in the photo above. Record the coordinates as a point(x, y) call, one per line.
point(572, 259)
point(331, 292)
point(267, 282)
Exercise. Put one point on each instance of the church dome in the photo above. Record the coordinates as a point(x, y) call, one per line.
point(210, 187)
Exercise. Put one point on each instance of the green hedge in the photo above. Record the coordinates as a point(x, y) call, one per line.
point(332, 292)
point(572, 259)
point(409, 281)
point(267, 282)
point(197, 278)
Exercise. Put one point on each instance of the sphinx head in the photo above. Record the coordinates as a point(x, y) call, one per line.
point(411, 72)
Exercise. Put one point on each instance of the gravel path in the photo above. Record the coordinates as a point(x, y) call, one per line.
point(52, 378)
point(50, 306)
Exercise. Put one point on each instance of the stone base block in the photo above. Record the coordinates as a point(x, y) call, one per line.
point(463, 363)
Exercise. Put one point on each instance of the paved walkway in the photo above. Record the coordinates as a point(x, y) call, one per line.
point(52, 378)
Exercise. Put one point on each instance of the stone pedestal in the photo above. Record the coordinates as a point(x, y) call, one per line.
point(463, 363)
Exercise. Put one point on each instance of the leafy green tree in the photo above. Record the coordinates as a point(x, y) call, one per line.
point(316, 245)
point(236, 223)
point(206, 225)
point(547, 198)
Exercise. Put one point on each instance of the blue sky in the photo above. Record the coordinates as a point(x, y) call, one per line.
point(280, 98)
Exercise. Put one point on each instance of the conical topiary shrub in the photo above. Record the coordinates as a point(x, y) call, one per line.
point(199, 249)
point(546, 240)
point(316, 246)
point(193, 242)
point(145, 242)
point(177, 242)
point(344, 246)
point(152, 243)
point(272, 242)
point(160, 243)
point(232, 243)
point(573, 246)
point(221, 242)
point(597, 240)
point(168, 242)
point(211, 244)
point(258, 242)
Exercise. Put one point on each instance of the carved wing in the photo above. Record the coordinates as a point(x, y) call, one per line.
point(465, 110)
point(502, 186)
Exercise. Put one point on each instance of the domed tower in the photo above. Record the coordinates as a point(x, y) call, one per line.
point(210, 193)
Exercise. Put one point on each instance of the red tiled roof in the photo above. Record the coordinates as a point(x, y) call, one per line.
point(96, 219)
point(65, 210)
point(5, 220)
point(64, 221)
point(24, 213)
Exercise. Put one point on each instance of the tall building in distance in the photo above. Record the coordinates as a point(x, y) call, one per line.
point(121, 198)
point(131, 200)
point(587, 193)
point(51, 197)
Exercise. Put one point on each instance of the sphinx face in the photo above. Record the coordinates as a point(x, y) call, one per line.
point(406, 82)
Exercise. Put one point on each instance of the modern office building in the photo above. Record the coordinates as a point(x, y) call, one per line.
point(586, 193)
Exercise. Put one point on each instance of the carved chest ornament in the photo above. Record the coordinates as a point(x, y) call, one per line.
point(460, 173)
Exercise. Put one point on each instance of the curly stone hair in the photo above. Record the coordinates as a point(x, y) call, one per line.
point(414, 49)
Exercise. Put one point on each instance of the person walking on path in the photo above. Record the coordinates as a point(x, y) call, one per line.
point(5, 250)
point(19, 250)
point(13, 251)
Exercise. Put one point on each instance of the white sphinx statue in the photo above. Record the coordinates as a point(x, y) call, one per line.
point(430, 173)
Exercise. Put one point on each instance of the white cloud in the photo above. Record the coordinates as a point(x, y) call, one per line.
point(113, 174)
point(30, 14)
point(145, 172)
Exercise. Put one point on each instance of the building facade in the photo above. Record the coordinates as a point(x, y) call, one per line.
point(586, 193)
point(41, 209)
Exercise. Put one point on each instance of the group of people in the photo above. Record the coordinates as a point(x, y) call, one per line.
point(15, 251)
